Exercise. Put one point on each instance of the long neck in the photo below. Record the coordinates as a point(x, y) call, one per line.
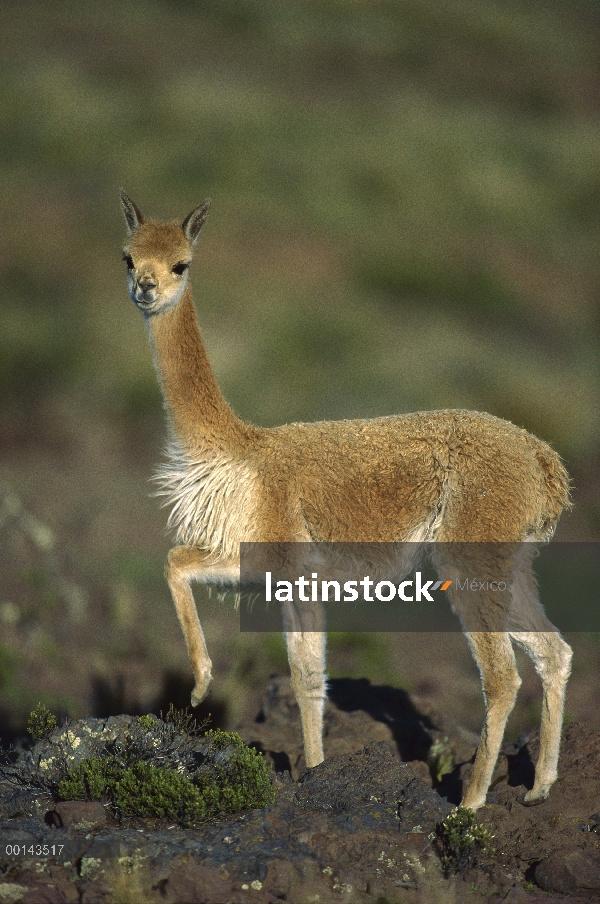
point(199, 416)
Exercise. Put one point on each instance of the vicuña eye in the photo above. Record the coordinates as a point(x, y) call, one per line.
point(180, 268)
point(128, 261)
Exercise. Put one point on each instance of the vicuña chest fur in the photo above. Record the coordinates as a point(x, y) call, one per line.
point(212, 498)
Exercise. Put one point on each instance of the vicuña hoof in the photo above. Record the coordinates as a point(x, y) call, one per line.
point(200, 691)
point(531, 799)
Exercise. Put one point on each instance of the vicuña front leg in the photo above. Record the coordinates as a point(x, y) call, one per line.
point(306, 654)
point(185, 563)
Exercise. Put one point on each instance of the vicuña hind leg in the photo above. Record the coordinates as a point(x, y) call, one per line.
point(494, 655)
point(482, 615)
point(184, 564)
point(306, 654)
point(551, 657)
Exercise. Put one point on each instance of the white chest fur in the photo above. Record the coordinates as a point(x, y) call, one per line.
point(212, 500)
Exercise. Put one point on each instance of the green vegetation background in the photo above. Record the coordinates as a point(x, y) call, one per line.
point(405, 215)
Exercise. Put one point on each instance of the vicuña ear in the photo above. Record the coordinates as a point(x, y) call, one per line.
point(133, 217)
point(193, 223)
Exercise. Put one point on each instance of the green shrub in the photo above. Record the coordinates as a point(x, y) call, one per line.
point(93, 779)
point(463, 842)
point(183, 722)
point(147, 790)
point(225, 776)
point(41, 722)
point(146, 722)
point(244, 781)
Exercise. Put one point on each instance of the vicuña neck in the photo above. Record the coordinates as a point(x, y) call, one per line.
point(199, 415)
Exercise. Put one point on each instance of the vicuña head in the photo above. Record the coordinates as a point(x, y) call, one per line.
point(456, 477)
point(158, 256)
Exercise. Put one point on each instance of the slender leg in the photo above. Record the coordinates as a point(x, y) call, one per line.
point(483, 615)
point(185, 563)
point(306, 654)
point(494, 655)
point(551, 656)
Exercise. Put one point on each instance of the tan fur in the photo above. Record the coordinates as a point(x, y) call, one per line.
point(447, 475)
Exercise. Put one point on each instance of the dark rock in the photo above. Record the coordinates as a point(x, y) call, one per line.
point(37, 886)
point(372, 789)
point(15, 834)
point(86, 814)
point(14, 892)
point(520, 896)
point(373, 778)
point(280, 878)
point(22, 802)
point(69, 745)
point(189, 881)
point(43, 894)
point(572, 871)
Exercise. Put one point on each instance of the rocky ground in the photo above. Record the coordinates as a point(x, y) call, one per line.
point(359, 828)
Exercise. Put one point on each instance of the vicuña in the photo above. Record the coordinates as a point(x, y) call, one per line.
point(451, 476)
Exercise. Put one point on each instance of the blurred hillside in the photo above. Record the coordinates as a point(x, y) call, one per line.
point(405, 215)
